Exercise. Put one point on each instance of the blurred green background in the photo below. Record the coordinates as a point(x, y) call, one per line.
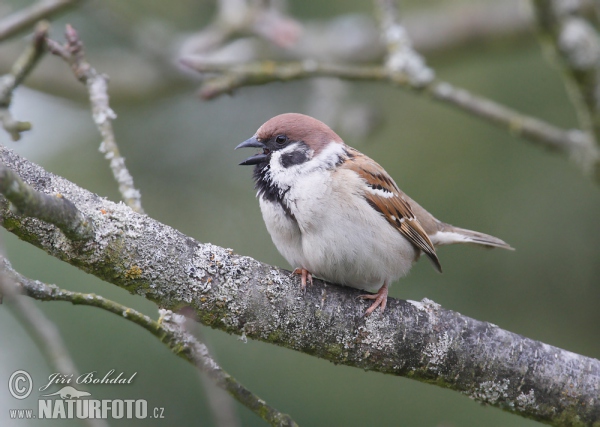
point(179, 150)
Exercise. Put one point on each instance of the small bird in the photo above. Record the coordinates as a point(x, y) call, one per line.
point(334, 213)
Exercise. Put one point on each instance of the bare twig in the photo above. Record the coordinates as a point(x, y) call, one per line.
point(574, 143)
point(240, 295)
point(175, 336)
point(347, 38)
point(235, 18)
point(452, 25)
point(406, 68)
point(222, 405)
point(401, 57)
point(169, 330)
point(53, 209)
point(72, 52)
point(27, 17)
point(43, 331)
point(20, 70)
point(576, 45)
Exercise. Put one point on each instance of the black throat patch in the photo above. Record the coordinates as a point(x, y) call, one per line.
point(270, 191)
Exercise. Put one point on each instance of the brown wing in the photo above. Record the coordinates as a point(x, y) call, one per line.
point(386, 198)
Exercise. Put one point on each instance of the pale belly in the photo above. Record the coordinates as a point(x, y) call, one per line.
point(348, 250)
point(344, 245)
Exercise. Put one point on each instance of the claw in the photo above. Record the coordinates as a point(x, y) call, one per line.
point(380, 299)
point(306, 276)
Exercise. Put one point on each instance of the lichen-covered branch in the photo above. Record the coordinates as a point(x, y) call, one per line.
point(25, 18)
point(72, 52)
point(9, 82)
point(575, 44)
point(575, 143)
point(197, 353)
point(169, 330)
point(239, 295)
point(54, 209)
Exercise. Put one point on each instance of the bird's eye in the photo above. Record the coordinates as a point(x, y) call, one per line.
point(280, 139)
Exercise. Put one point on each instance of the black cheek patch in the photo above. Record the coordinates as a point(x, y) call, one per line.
point(296, 157)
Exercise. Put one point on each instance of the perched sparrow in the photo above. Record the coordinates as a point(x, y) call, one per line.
point(334, 213)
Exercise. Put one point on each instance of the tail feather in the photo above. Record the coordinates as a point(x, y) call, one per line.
point(449, 235)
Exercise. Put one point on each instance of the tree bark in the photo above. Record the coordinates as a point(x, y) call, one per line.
point(240, 295)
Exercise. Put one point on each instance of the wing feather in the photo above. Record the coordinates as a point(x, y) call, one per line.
point(383, 195)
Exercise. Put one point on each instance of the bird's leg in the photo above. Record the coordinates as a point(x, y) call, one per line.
point(305, 276)
point(380, 299)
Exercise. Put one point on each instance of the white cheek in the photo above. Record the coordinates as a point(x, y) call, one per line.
point(286, 177)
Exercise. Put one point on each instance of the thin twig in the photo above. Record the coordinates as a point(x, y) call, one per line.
point(404, 67)
point(573, 142)
point(42, 330)
point(222, 405)
point(25, 18)
point(19, 71)
point(72, 52)
point(53, 209)
point(401, 57)
point(576, 47)
point(169, 330)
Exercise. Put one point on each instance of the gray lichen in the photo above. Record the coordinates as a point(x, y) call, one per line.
point(492, 392)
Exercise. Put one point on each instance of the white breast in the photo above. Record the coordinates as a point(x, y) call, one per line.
point(335, 234)
point(284, 232)
point(345, 241)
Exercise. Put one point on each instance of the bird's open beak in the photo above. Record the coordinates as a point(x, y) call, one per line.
point(257, 158)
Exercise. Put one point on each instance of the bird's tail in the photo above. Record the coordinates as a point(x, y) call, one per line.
point(448, 234)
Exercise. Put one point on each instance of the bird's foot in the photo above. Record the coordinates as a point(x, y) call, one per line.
point(380, 299)
point(306, 276)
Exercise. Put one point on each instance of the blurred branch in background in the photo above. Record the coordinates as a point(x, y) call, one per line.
point(24, 19)
point(575, 45)
point(403, 67)
point(401, 58)
point(96, 83)
point(235, 18)
point(19, 71)
point(150, 53)
point(222, 405)
point(576, 144)
point(41, 329)
point(240, 295)
point(169, 329)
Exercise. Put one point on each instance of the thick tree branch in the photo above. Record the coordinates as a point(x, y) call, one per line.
point(240, 295)
point(96, 83)
point(19, 71)
point(169, 329)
